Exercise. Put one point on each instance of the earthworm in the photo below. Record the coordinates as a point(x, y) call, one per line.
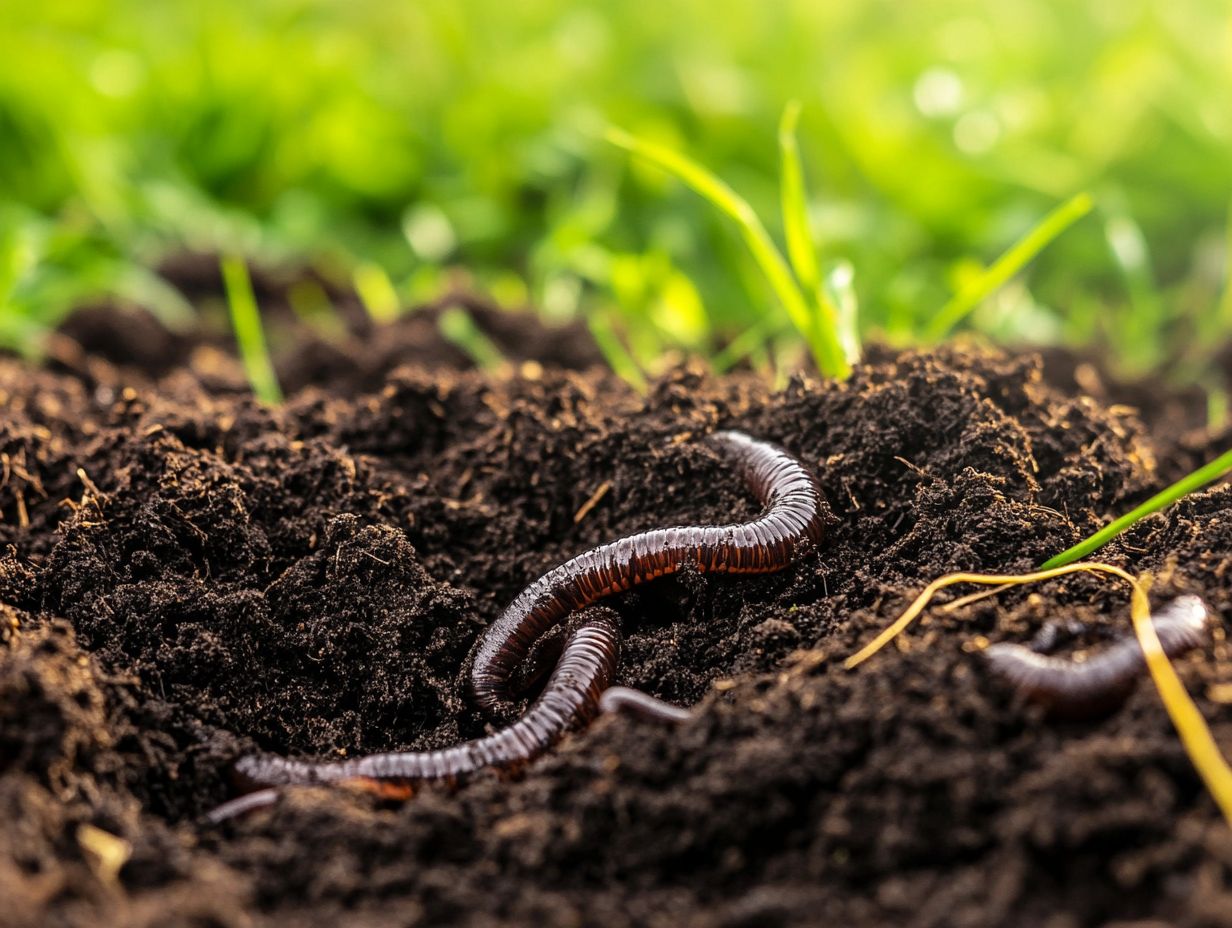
point(1075, 690)
point(643, 706)
point(575, 691)
point(1047, 638)
point(793, 513)
point(569, 699)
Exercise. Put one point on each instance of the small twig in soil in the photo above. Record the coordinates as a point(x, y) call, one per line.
point(592, 501)
point(16, 467)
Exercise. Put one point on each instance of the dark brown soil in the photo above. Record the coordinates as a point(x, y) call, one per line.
point(350, 355)
point(190, 576)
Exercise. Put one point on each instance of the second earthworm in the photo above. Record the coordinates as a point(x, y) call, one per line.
point(1081, 689)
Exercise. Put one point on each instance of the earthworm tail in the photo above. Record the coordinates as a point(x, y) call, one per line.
point(243, 805)
point(1072, 689)
point(569, 699)
point(622, 699)
point(793, 513)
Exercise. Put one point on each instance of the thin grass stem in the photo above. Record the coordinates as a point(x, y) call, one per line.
point(377, 293)
point(801, 242)
point(246, 320)
point(1013, 260)
point(618, 357)
point(1164, 498)
point(459, 329)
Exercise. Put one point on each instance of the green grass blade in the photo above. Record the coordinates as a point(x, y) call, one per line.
point(801, 242)
point(153, 292)
point(706, 184)
point(246, 319)
point(1010, 263)
point(748, 342)
point(802, 245)
point(17, 255)
point(1225, 304)
point(1136, 331)
point(839, 289)
point(376, 291)
point(614, 352)
point(1216, 408)
point(1186, 485)
point(820, 334)
point(458, 328)
point(313, 307)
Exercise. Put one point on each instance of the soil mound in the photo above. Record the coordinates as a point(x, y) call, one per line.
point(189, 576)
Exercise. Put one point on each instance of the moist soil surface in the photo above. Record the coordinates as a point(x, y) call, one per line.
point(186, 576)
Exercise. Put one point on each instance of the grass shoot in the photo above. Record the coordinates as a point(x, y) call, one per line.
point(246, 320)
point(1225, 301)
point(459, 329)
point(376, 291)
point(1013, 260)
point(797, 285)
point(618, 357)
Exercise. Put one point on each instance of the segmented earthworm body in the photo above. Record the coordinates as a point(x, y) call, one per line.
point(626, 701)
point(570, 699)
point(793, 513)
point(1071, 689)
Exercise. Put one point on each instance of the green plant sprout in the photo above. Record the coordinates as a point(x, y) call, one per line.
point(618, 358)
point(1225, 301)
point(376, 291)
point(458, 328)
point(745, 344)
point(1013, 260)
point(246, 320)
point(796, 285)
point(797, 227)
point(1161, 500)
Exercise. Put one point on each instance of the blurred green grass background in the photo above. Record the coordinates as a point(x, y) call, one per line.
point(389, 145)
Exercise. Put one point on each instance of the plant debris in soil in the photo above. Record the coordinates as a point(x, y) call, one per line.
point(186, 576)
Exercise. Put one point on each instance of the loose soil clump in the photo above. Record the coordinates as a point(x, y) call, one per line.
point(187, 576)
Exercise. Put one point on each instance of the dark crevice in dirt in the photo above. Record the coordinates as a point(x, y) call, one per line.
point(189, 576)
